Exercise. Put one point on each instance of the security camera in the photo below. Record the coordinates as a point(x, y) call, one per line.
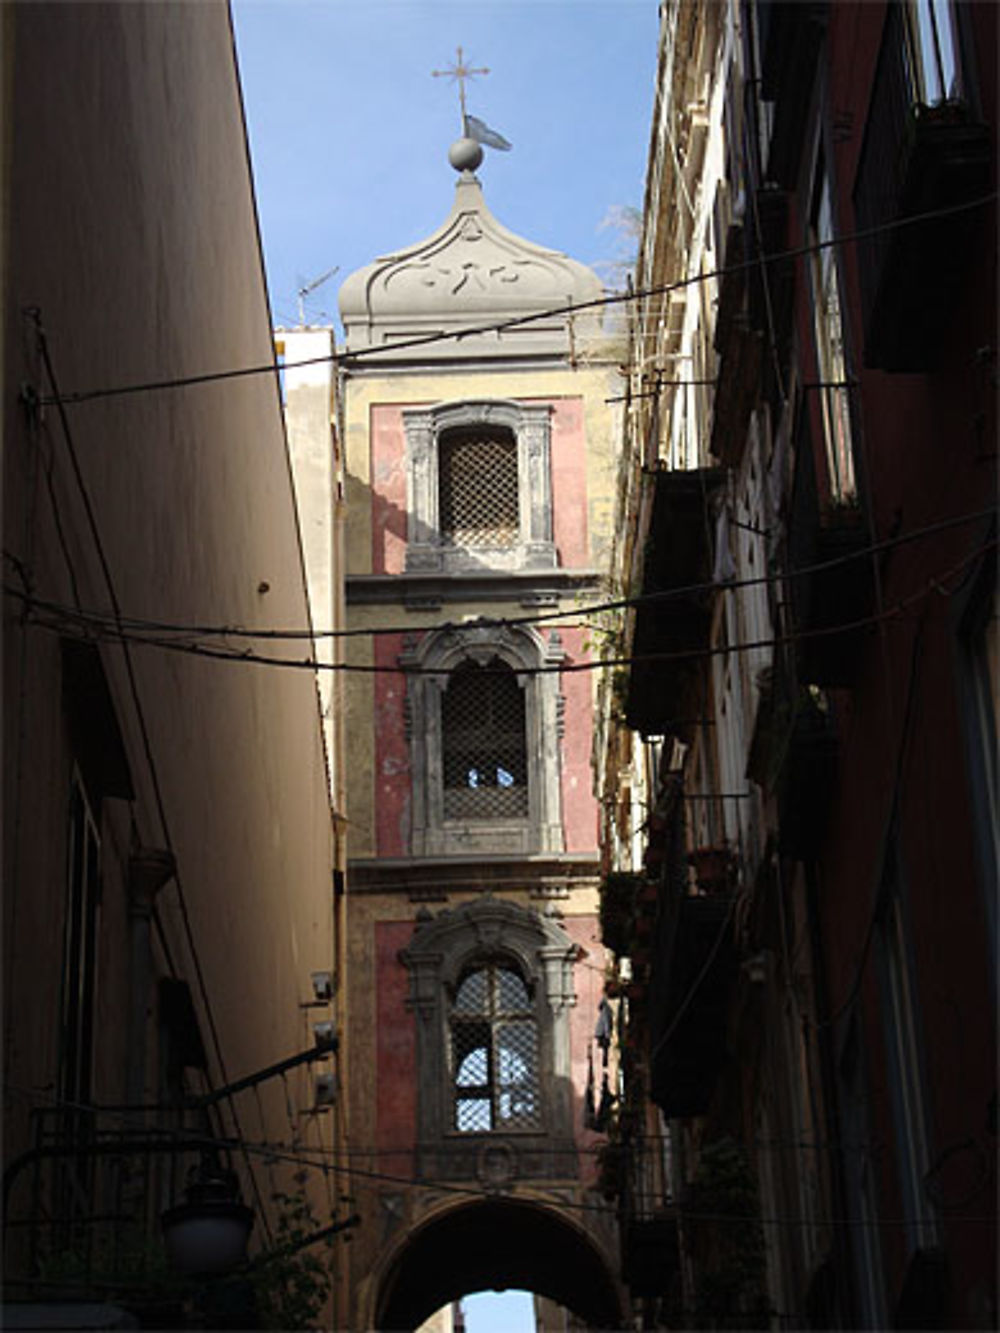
point(325, 1035)
point(326, 1089)
point(322, 984)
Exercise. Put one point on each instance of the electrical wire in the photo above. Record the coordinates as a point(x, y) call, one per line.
point(64, 625)
point(541, 619)
point(349, 359)
point(319, 1160)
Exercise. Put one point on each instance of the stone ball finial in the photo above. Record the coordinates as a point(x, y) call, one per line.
point(465, 154)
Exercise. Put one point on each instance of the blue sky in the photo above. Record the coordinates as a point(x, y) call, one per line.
point(349, 131)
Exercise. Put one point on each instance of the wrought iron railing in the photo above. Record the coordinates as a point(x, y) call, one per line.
point(82, 1205)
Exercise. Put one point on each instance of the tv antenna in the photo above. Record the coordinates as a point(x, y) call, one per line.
point(308, 288)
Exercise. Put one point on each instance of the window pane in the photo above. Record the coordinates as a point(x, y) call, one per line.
point(471, 997)
point(495, 1057)
point(472, 1072)
point(484, 746)
point(473, 1114)
point(513, 992)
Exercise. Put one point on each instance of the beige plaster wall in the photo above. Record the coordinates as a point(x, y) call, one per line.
point(135, 236)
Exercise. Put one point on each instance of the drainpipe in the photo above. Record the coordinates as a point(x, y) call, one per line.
point(148, 870)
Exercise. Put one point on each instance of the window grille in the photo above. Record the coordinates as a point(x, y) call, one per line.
point(478, 490)
point(484, 745)
point(494, 1052)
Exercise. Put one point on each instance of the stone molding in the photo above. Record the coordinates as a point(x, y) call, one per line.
point(530, 426)
point(435, 656)
point(442, 949)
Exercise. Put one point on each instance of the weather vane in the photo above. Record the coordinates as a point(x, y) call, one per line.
point(472, 127)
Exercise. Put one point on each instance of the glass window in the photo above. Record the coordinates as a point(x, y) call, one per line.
point(494, 1052)
point(484, 749)
point(831, 362)
point(931, 51)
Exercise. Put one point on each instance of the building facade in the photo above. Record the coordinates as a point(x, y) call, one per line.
point(798, 765)
point(168, 847)
point(478, 446)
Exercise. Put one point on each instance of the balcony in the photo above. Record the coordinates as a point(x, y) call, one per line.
point(671, 631)
point(915, 159)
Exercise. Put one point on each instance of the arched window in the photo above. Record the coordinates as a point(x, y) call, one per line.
point(483, 743)
point(479, 486)
point(494, 1041)
point(484, 724)
point(478, 499)
point(491, 984)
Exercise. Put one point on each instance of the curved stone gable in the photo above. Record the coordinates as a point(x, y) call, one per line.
point(472, 273)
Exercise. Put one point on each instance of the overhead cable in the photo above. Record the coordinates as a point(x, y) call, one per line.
point(349, 359)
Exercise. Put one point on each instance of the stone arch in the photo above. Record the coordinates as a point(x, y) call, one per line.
point(497, 1243)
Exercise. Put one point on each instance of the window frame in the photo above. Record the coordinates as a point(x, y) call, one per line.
point(829, 328)
point(530, 425)
point(492, 1020)
point(431, 662)
point(444, 948)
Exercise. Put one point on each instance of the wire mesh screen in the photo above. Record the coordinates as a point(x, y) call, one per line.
point(495, 1053)
point(478, 490)
point(484, 748)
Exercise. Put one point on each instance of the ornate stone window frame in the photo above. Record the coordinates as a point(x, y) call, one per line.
point(435, 656)
point(443, 949)
point(530, 425)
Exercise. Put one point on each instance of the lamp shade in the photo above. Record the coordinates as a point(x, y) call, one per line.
point(207, 1234)
point(207, 1238)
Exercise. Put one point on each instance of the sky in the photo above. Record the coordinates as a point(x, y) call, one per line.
point(349, 135)
point(349, 129)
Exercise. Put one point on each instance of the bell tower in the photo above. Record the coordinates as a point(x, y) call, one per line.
point(478, 393)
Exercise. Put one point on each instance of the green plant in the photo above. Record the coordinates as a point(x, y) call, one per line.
point(292, 1282)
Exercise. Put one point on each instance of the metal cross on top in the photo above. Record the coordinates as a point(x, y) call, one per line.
point(458, 73)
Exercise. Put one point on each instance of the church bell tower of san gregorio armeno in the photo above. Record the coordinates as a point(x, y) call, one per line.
point(478, 395)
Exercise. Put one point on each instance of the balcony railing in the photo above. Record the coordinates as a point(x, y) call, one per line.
point(648, 1218)
point(82, 1207)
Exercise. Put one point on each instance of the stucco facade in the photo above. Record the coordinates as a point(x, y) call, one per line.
point(168, 842)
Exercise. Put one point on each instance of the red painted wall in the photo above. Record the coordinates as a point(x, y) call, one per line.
point(569, 483)
point(388, 465)
point(580, 824)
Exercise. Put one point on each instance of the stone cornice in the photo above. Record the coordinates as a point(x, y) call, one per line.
point(421, 590)
point(433, 879)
